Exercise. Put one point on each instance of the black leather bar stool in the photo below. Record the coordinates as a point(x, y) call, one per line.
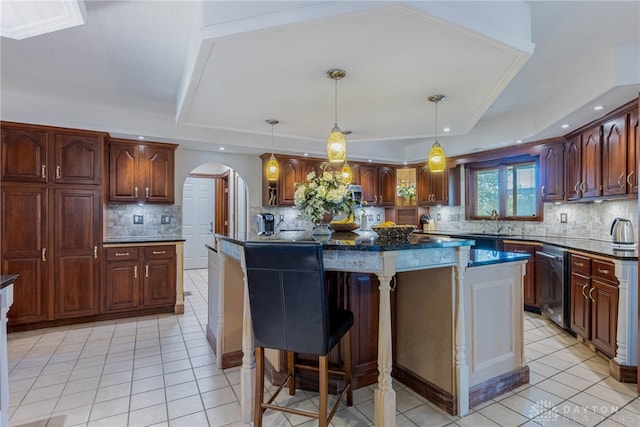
point(290, 311)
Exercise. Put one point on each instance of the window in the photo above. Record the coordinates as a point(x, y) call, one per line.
point(505, 189)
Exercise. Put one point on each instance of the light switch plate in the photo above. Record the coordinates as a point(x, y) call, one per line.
point(165, 219)
point(138, 219)
point(563, 217)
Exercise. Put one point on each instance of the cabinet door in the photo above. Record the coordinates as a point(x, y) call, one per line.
point(580, 305)
point(369, 184)
point(604, 316)
point(592, 163)
point(440, 187)
point(306, 167)
point(77, 231)
point(78, 159)
point(573, 171)
point(529, 282)
point(614, 156)
point(552, 171)
point(423, 186)
point(633, 135)
point(121, 287)
point(123, 172)
point(24, 243)
point(24, 155)
point(362, 298)
point(157, 174)
point(159, 286)
point(289, 176)
point(386, 186)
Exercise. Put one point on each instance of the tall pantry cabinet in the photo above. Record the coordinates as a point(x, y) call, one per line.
point(51, 193)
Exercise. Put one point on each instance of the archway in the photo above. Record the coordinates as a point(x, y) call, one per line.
point(214, 200)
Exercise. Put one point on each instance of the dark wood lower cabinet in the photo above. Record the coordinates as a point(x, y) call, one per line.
point(580, 305)
point(139, 277)
point(604, 316)
point(531, 288)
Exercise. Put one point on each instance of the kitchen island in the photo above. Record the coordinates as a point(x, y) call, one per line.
point(6, 299)
point(458, 328)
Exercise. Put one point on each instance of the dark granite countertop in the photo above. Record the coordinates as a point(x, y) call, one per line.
point(7, 279)
point(349, 241)
point(591, 246)
point(480, 257)
point(123, 240)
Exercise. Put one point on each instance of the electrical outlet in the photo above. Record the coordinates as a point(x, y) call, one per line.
point(370, 217)
point(165, 219)
point(281, 217)
point(563, 217)
point(377, 217)
point(138, 219)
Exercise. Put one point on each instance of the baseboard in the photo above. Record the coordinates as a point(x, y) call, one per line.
point(228, 360)
point(497, 386)
point(623, 373)
point(434, 394)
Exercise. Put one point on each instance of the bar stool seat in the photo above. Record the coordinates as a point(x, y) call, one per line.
point(290, 311)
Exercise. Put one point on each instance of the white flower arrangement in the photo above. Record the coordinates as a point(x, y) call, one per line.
point(322, 194)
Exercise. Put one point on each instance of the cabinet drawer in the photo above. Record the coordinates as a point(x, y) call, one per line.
point(520, 249)
point(121, 254)
point(166, 251)
point(580, 264)
point(604, 270)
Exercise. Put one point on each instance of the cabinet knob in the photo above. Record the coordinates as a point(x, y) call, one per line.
point(146, 192)
point(578, 264)
point(58, 172)
point(583, 288)
point(159, 252)
point(44, 254)
point(620, 182)
point(95, 252)
point(43, 171)
point(135, 192)
point(146, 270)
point(542, 191)
point(135, 271)
point(122, 253)
point(583, 186)
point(603, 271)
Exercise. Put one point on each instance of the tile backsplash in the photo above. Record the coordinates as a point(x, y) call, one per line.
point(587, 220)
point(120, 217)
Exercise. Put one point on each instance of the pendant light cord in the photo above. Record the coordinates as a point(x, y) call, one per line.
point(336, 101)
point(437, 121)
point(272, 138)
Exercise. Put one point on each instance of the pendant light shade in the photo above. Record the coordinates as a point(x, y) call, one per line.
point(347, 173)
point(437, 159)
point(336, 143)
point(273, 168)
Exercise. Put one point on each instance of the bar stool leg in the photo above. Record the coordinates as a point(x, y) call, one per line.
point(323, 390)
point(291, 367)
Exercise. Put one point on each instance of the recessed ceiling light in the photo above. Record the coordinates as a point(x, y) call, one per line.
point(221, 148)
point(405, 163)
point(564, 126)
point(598, 107)
point(141, 137)
point(369, 160)
point(518, 141)
point(306, 154)
point(446, 129)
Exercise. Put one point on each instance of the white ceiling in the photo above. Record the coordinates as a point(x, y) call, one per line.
point(207, 75)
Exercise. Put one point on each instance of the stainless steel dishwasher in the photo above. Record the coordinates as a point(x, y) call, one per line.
point(552, 270)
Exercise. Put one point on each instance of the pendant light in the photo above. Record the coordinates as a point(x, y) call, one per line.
point(437, 160)
point(346, 172)
point(336, 143)
point(273, 169)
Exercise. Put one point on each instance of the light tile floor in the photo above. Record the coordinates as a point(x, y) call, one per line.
point(159, 370)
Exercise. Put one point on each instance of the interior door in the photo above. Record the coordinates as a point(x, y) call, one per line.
point(221, 222)
point(197, 220)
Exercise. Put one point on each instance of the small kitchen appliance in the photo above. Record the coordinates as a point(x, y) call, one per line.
point(266, 224)
point(622, 233)
point(356, 194)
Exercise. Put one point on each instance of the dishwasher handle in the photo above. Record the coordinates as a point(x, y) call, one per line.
point(545, 254)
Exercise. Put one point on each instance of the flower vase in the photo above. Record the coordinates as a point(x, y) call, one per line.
point(321, 229)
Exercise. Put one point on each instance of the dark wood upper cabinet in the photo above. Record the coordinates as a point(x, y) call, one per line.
point(141, 172)
point(290, 174)
point(24, 154)
point(369, 184)
point(40, 154)
point(431, 188)
point(614, 156)
point(552, 171)
point(591, 185)
point(633, 135)
point(78, 159)
point(386, 186)
point(573, 167)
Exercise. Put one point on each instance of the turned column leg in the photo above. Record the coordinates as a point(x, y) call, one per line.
point(462, 370)
point(385, 395)
point(6, 299)
point(248, 369)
